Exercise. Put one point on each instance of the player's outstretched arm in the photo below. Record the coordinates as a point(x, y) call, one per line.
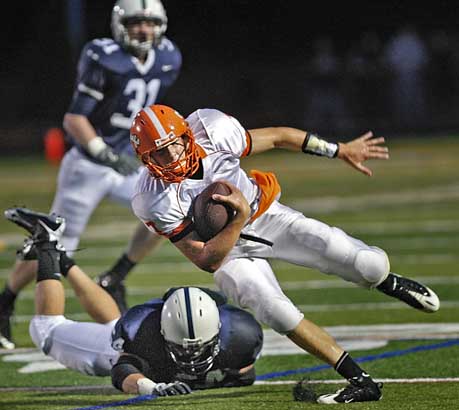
point(127, 376)
point(361, 149)
point(354, 152)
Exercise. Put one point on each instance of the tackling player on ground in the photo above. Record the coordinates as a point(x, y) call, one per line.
point(116, 78)
point(183, 156)
point(189, 339)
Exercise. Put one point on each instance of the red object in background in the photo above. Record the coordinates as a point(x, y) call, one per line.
point(54, 145)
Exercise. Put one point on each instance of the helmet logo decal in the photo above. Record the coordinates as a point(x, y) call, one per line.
point(135, 139)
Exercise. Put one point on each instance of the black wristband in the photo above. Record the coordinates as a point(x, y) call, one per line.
point(125, 366)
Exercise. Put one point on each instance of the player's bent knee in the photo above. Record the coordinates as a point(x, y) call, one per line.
point(269, 305)
point(279, 313)
point(373, 265)
point(40, 329)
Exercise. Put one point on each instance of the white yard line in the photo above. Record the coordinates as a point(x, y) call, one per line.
point(329, 204)
point(161, 268)
point(109, 389)
point(305, 308)
point(365, 306)
point(286, 285)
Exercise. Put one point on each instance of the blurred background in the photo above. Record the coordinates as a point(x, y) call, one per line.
point(337, 69)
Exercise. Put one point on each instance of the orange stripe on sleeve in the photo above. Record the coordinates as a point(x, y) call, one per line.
point(175, 232)
point(248, 148)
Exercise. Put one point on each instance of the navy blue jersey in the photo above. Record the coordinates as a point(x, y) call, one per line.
point(138, 332)
point(112, 86)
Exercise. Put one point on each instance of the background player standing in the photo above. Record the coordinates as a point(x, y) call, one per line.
point(116, 78)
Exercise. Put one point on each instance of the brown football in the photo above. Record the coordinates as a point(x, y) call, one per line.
point(210, 216)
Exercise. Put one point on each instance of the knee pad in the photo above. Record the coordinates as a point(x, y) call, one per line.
point(268, 304)
point(373, 265)
point(279, 313)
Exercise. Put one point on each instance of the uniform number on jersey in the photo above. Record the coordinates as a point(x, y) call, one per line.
point(143, 95)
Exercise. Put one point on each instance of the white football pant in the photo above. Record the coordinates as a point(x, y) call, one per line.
point(81, 186)
point(247, 278)
point(82, 346)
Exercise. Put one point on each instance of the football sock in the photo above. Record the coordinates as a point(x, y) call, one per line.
point(7, 297)
point(65, 263)
point(387, 285)
point(350, 370)
point(122, 267)
point(48, 262)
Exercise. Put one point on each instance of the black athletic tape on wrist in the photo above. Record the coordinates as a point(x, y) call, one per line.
point(314, 145)
point(65, 263)
point(125, 366)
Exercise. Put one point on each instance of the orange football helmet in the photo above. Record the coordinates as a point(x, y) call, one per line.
point(154, 128)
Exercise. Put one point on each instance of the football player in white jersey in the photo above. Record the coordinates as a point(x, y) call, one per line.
point(183, 156)
point(116, 78)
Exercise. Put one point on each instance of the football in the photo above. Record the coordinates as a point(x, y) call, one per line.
point(210, 216)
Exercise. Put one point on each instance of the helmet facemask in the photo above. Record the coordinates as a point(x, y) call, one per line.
point(194, 357)
point(140, 47)
point(184, 167)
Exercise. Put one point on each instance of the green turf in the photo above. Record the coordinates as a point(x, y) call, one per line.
point(410, 208)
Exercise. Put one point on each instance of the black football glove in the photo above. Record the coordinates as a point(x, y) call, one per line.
point(122, 163)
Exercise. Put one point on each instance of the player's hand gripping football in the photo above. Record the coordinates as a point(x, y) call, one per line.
point(235, 200)
point(357, 151)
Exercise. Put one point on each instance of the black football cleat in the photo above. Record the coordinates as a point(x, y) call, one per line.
point(115, 287)
point(411, 292)
point(28, 251)
point(52, 226)
point(354, 392)
point(5, 327)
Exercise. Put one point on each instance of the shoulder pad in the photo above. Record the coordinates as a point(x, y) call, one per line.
point(107, 53)
point(167, 45)
point(134, 317)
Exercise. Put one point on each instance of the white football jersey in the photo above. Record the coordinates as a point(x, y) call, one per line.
point(164, 207)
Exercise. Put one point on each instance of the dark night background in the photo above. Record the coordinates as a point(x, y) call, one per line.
point(253, 59)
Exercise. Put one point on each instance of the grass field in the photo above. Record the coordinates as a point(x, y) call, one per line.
point(410, 208)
